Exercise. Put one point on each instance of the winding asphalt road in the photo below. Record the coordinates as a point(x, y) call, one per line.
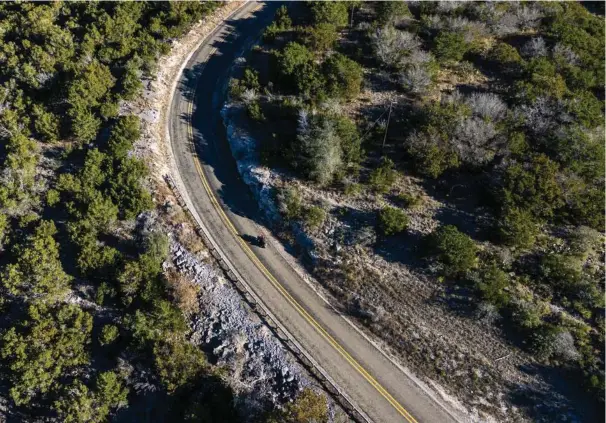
point(224, 204)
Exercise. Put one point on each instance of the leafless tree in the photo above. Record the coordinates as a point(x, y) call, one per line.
point(487, 105)
point(249, 96)
point(536, 47)
point(419, 57)
point(563, 346)
point(529, 17)
point(449, 6)
point(392, 45)
point(566, 53)
point(544, 115)
point(415, 79)
point(474, 141)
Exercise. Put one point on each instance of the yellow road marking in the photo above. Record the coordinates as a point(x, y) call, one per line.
point(253, 257)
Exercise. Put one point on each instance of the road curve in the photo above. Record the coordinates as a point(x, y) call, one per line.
point(218, 197)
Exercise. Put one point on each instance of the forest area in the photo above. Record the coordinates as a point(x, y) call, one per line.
point(92, 328)
point(460, 144)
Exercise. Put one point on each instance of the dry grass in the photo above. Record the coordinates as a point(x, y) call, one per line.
point(184, 292)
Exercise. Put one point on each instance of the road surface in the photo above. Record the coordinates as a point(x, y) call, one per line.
point(223, 202)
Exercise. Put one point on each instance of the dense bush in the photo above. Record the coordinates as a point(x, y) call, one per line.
point(533, 186)
point(392, 221)
point(334, 13)
point(343, 76)
point(455, 251)
point(518, 228)
point(450, 46)
point(383, 177)
point(314, 217)
point(322, 37)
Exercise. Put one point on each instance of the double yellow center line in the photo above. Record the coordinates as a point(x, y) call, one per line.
point(253, 257)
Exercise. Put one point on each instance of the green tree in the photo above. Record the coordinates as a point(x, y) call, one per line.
point(492, 285)
point(322, 37)
point(533, 187)
point(46, 123)
point(294, 56)
point(317, 153)
point(79, 405)
point(518, 228)
point(330, 12)
point(290, 203)
point(391, 11)
point(52, 342)
point(343, 76)
point(177, 362)
point(392, 221)
point(450, 46)
point(349, 139)
point(37, 271)
point(383, 177)
point(109, 333)
point(454, 250)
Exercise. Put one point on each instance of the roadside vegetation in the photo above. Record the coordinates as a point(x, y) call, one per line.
point(500, 103)
point(91, 329)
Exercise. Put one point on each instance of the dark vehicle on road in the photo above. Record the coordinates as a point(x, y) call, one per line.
point(261, 241)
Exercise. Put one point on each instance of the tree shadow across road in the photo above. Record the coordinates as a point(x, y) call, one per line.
point(205, 84)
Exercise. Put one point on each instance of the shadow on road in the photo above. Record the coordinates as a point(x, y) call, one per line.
point(207, 82)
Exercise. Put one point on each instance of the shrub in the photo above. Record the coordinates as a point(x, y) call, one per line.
point(526, 313)
point(314, 217)
point(488, 106)
point(392, 46)
point(506, 56)
point(343, 76)
point(450, 46)
point(517, 228)
point(455, 250)
point(586, 108)
point(253, 110)
point(383, 177)
point(533, 187)
point(391, 11)
point(109, 333)
point(563, 272)
point(330, 12)
point(322, 37)
point(349, 139)
point(250, 79)
point(541, 79)
point(392, 221)
point(431, 153)
point(543, 341)
point(307, 407)
point(492, 284)
point(535, 48)
point(474, 142)
point(290, 203)
point(416, 79)
point(410, 200)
